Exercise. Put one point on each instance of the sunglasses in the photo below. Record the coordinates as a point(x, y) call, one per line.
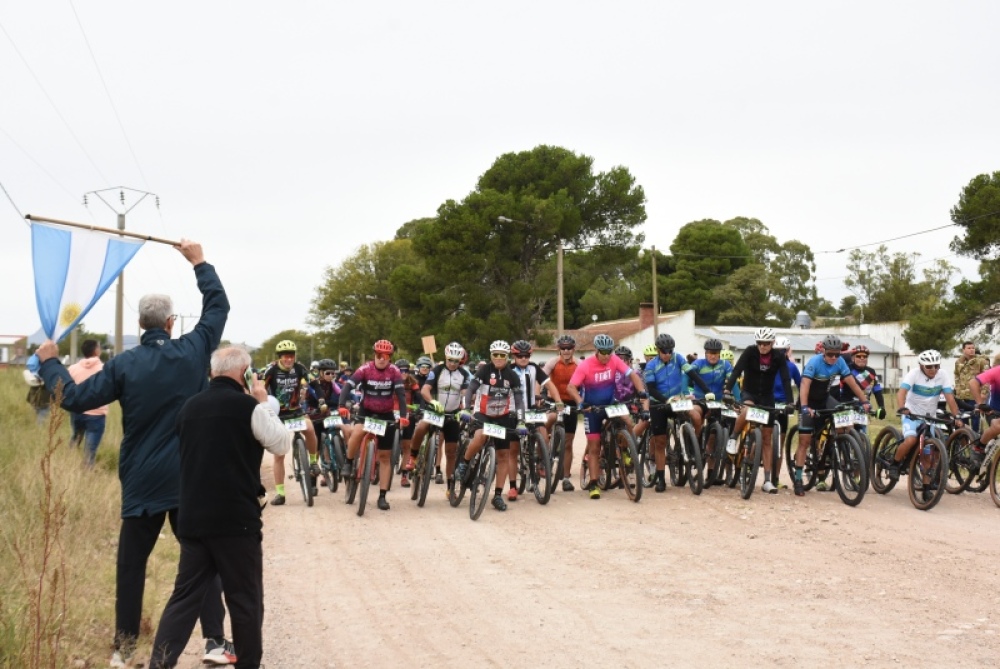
point(861, 355)
point(424, 367)
point(830, 354)
point(566, 348)
point(765, 343)
point(605, 351)
point(498, 356)
point(522, 356)
point(668, 351)
point(454, 360)
point(932, 366)
point(327, 373)
point(381, 356)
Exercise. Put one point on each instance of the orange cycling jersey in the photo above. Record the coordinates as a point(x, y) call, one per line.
point(560, 373)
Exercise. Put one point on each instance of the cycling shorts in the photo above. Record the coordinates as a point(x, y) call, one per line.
point(910, 426)
point(658, 416)
point(808, 423)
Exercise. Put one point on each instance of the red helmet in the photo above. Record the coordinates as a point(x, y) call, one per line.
point(861, 348)
point(819, 347)
point(384, 346)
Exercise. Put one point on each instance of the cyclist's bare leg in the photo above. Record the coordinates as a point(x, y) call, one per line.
point(803, 448)
point(593, 456)
point(279, 469)
point(502, 469)
point(659, 442)
point(450, 449)
point(310, 435)
point(905, 448)
point(475, 444)
point(640, 428)
point(513, 453)
point(768, 452)
point(384, 469)
point(354, 443)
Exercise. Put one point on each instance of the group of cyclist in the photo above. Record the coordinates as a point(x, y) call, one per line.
point(502, 388)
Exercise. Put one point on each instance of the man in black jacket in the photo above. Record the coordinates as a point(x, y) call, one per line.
point(223, 432)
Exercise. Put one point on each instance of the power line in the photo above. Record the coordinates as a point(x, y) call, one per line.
point(39, 165)
point(11, 200)
point(912, 234)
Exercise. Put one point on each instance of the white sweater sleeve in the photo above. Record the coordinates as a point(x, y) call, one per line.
point(270, 431)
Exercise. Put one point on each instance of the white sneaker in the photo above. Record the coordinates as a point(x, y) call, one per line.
point(770, 487)
point(119, 662)
point(731, 447)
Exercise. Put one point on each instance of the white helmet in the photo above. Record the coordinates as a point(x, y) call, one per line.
point(454, 350)
point(783, 343)
point(763, 334)
point(929, 357)
point(500, 346)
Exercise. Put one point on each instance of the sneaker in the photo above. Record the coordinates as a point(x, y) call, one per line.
point(893, 471)
point(799, 488)
point(404, 480)
point(498, 503)
point(976, 457)
point(661, 485)
point(568, 486)
point(277, 500)
point(595, 492)
point(314, 469)
point(461, 470)
point(769, 487)
point(822, 486)
point(439, 478)
point(119, 661)
point(348, 470)
point(731, 447)
point(219, 652)
point(383, 504)
point(512, 494)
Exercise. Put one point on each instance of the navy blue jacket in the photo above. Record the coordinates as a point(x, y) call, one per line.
point(152, 382)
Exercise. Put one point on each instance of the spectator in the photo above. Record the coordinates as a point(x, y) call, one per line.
point(152, 382)
point(88, 427)
point(38, 397)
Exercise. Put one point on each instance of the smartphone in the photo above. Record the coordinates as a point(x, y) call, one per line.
point(248, 378)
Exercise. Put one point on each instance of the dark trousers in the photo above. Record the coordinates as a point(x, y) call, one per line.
point(135, 542)
point(240, 564)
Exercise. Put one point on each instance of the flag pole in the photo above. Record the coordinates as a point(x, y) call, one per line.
point(97, 228)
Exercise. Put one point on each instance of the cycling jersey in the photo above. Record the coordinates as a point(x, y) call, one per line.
point(492, 390)
point(824, 375)
point(411, 388)
point(667, 379)
point(529, 375)
point(779, 389)
point(596, 381)
point(285, 386)
point(714, 376)
point(758, 373)
point(866, 378)
point(560, 373)
point(991, 378)
point(447, 386)
point(922, 392)
point(624, 388)
point(319, 389)
point(380, 389)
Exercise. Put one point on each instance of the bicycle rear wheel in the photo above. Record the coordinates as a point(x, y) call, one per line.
point(883, 451)
point(538, 469)
point(301, 465)
point(752, 453)
point(523, 465)
point(694, 467)
point(557, 451)
point(629, 473)
point(427, 459)
point(850, 473)
point(791, 445)
point(647, 463)
point(675, 456)
point(928, 475)
point(368, 444)
point(483, 480)
point(993, 478)
point(961, 470)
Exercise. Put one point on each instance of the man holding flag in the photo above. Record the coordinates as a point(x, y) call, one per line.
point(152, 382)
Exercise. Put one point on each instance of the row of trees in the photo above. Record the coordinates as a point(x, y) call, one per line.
point(485, 267)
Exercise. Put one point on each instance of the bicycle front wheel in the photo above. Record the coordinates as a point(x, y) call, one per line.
point(850, 473)
point(961, 469)
point(928, 474)
point(675, 456)
point(426, 465)
point(366, 472)
point(647, 463)
point(538, 469)
point(557, 450)
point(458, 487)
point(791, 445)
point(883, 452)
point(302, 469)
point(694, 466)
point(993, 479)
point(628, 464)
point(752, 453)
point(483, 481)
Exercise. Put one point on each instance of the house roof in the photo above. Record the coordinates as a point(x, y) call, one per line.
point(742, 337)
point(617, 330)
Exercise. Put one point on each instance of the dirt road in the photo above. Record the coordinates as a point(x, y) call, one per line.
point(676, 580)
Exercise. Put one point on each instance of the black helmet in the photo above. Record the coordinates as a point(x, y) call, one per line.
point(521, 346)
point(326, 364)
point(566, 340)
point(624, 352)
point(403, 364)
point(713, 345)
point(666, 343)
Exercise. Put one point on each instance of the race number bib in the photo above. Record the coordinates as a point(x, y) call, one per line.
point(616, 410)
point(843, 419)
point(681, 405)
point(757, 415)
point(332, 421)
point(375, 426)
point(395, 414)
point(713, 405)
point(729, 413)
point(491, 430)
point(435, 419)
point(860, 418)
point(566, 410)
point(534, 417)
point(296, 424)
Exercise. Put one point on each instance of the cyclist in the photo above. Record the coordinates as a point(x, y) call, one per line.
point(531, 376)
point(287, 381)
point(322, 394)
point(424, 365)
point(866, 378)
point(918, 394)
point(758, 367)
point(784, 345)
point(442, 392)
point(624, 390)
point(668, 376)
point(411, 390)
point(560, 370)
point(494, 386)
point(967, 367)
point(648, 353)
point(381, 385)
point(987, 383)
point(818, 378)
point(714, 371)
point(595, 377)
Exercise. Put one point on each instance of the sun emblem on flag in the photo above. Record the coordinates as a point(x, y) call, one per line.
point(69, 314)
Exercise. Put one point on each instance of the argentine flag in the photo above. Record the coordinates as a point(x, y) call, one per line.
point(73, 268)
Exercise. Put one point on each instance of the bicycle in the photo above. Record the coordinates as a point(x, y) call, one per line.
point(482, 469)
point(366, 470)
point(334, 452)
point(300, 457)
point(685, 458)
point(714, 436)
point(962, 473)
point(743, 467)
point(534, 470)
point(928, 473)
point(617, 450)
point(423, 467)
point(557, 446)
point(845, 458)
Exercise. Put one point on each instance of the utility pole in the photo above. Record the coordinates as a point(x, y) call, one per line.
point(182, 317)
point(120, 211)
point(656, 307)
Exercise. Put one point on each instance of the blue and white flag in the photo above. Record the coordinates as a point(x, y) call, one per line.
point(73, 268)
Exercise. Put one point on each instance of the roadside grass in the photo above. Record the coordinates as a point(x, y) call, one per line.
point(59, 541)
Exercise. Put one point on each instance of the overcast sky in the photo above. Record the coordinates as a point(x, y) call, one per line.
point(282, 136)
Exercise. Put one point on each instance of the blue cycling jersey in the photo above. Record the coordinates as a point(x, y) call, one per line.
point(823, 374)
point(714, 376)
point(669, 378)
point(779, 389)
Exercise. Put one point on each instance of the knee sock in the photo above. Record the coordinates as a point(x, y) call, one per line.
point(279, 488)
point(798, 474)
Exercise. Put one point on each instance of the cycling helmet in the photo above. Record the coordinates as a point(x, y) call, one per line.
point(424, 361)
point(764, 334)
point(285, 346)
point(727, 355)
point(383, 346)
point(832, 343)
point(603, 342)
point(314, 364)
point(929, 357)
point(665, 343)
point(566, 340)
point(784, 343)
point(500, 346)
point(861, 348)
point(326, 364)
point(649, 350)
point(624, 352)
point(403, 364)
point(713, 345)
point(819, 347)
point(454, 351)
point(521, 346)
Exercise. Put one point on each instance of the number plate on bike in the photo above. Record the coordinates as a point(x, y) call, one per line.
point(681, 405)
point(491, 430)
point(332, 421)
point(843, 419)
point(713, 405)
point(534, 417)
point(616, 410)
point(756, 415)
point(435, 419)
point(566, 410)
point(729, 413)
point(296, 424)
point(860, 418)
point(375, 426)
